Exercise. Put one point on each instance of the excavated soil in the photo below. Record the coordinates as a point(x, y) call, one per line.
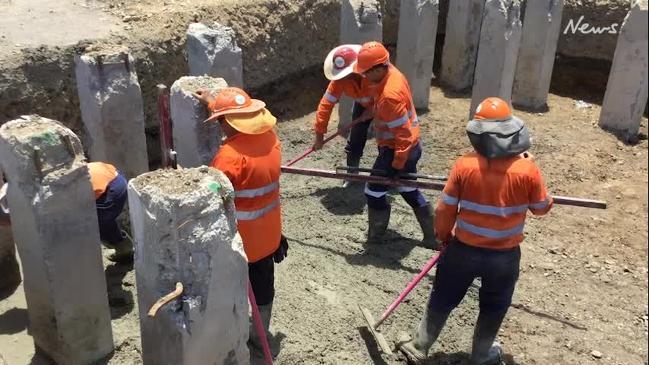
point(581, 298)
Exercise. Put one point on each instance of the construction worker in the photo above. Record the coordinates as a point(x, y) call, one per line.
point(109, 187)
point(339, 69)
point(397, 134)
point(110, 191)
point(250, 157)
point(485, 199)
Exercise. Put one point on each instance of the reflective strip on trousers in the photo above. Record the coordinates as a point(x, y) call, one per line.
point(374, 194)
point(330, 98)
point(490, 233)
point(363, 100)
point(252, 193)
point(405, 189)
point(255, 214)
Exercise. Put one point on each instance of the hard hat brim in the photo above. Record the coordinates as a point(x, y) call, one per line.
point(330, 71)
point(257, 122)
point(255, 106)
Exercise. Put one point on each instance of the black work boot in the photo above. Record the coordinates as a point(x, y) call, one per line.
point(265, 312)
point(352, 161)
point(416, 350)
point(377, 224)
point(485, 350)
point(425, 218)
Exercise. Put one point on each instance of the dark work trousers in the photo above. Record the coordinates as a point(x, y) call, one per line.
point(377, 193)
point(262, 279)
point(460, 264)
point(109, 206)
point(358, 135)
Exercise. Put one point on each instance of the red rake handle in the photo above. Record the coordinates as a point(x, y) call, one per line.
point(311, 150)
point(259, 326)
point(411, 285)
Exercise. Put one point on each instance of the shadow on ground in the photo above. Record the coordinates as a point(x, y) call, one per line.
point(120, 300)
point(13, 321)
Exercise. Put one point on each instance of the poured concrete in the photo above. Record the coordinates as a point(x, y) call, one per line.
point(56, 232)
point(213, 51)
point(360, 22)
point(416, 46)
point(111, 109)
point(626, 92)
point(185, 231)
point(195, 142)
point(461, 43)
point(541, 31)
point(499, 44)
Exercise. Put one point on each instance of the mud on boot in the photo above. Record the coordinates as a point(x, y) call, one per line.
point(425, 217)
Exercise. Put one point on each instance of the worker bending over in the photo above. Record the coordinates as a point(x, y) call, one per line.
point(110, 188)
point(485, 199)
point(397, 134)
point(250, 157)
point(339, 69)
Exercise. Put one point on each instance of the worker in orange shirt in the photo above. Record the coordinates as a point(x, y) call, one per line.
point(485, 200)
point(339, 69)
point(110, 188)
point(250, 157)
point(397, 134)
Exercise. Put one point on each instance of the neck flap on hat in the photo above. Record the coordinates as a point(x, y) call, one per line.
point(499, 138)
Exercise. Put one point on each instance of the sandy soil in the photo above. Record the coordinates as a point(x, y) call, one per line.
point(583, 286)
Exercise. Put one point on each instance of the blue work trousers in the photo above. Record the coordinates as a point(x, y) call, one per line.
point(109, 206)
point(358, 135)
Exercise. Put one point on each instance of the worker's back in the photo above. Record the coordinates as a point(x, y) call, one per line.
point(493, 196)
point(253, 165)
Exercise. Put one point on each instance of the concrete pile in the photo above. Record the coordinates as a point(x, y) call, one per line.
point(626, 92)
point(500, 37)
point(185, 231)
point(56, 231)
point(112, 110)
point(416, 46)
point(195, 142)
point(213, 51)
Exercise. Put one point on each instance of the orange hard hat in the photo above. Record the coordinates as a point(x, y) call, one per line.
point(244, 114)
point(370, 55)
point(493, 109)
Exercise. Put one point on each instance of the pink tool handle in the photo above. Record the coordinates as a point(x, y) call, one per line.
point(311, 150)
point(259, 326)
point(411, 285)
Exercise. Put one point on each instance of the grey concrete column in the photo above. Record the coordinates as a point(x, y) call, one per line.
point(195, 142)
point(360, 22)
point(55, 228)
point(111, 109)
point(416, 46)
point(500, 38)
point(461, 43)
point(541, 31)
point(213, 51)
point(185, 231)
point(626, 92)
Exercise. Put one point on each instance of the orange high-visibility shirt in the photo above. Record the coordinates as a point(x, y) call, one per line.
point(101, 174)
point(487, 201)
point(359, 92)
point(252, 163)
point(395, 120)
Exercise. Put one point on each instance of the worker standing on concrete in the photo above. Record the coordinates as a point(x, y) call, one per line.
point(110, 188)
point(251, 158)
point(397, 134)
point(485, 200)
point(339, 69)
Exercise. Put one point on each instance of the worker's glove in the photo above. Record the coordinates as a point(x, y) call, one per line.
point(282, 250)
point(393, 173)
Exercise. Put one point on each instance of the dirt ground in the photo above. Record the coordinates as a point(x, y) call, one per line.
point(581, 298)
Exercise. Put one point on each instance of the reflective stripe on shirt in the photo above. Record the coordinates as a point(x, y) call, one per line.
point(330, 98)
point(448, 200)
point(541, 205)
point(255, 214)
point(251, 193)
point(491, 209)
point(490, 233)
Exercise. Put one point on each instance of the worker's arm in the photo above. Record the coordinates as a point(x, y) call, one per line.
point(540, 201)
point(447, 207)
point(397, 117)
point(326, 106)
